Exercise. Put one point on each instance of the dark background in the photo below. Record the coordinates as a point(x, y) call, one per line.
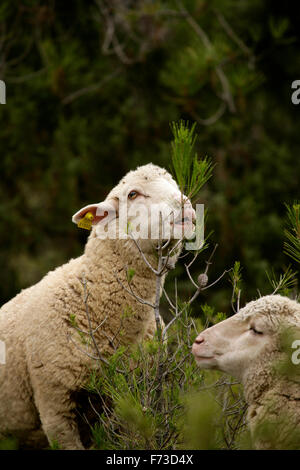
point(91, 90)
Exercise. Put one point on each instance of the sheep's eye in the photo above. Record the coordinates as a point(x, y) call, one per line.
point(255, 331)
point(132, 195)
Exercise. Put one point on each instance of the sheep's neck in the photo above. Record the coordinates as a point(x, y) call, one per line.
point(128, 253)
point(124, 251)
point(257, 392)
point(272, 398)
point(109, 260)
point(274, 415)
point(274, 372)
point(256, 384)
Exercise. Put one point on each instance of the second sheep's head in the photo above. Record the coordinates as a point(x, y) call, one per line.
point(146, 205)
point(251, 341)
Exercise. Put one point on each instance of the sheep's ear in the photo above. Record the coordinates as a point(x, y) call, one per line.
point(107, 209)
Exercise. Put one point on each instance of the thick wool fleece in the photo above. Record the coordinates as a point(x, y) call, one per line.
point(46, 360)
point(272, 384)
point(43, 364)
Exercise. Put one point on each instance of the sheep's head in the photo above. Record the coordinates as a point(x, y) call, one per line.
point(146, 204)
point(249, 338)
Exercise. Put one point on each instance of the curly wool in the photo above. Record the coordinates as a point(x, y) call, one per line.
point(272, 391)
point(45, 358)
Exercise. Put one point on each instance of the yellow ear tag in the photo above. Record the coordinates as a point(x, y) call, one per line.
point(86, 221)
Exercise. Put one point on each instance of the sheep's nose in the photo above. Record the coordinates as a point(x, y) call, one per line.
point(199, 339)
point(187, 205)
point(182, 198)
point(193, 213)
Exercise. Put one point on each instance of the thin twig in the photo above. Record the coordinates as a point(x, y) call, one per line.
point(91, 88)
point(143, 256)
point(139, 299)
point(217, 280)
point(190, 277)
point(208, 262)
point(223, 22)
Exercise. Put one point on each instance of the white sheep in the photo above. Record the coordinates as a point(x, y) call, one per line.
point(255, 346)
point(45, 362)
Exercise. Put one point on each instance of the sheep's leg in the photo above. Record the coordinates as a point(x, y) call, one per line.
point(56, 414)
point(58, 423)
point(34, 439)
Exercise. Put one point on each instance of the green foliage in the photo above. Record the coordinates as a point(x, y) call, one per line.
point(283, 283)
point(83, 337)
point(147, 405)
point(235, 275)
point(201, 423)
point(210, 315)
point(278, 28)
point(236, 280)
point(140, 424)
point(292, 233)
point(99, 437)
point(9, 444)
point(277, 432)
point(73, 320)
point(136, 419)
point(190, 173)
point(130, 274)
point(208, 311)
point(54, 445)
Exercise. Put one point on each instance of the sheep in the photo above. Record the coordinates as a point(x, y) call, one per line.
point(45, 360)
point(255, 346)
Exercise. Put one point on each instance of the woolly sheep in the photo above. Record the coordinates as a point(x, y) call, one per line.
point(45, 363)
point(249, 346)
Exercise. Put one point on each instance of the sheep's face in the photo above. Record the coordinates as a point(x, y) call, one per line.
point(243, 341)
point(147, 204)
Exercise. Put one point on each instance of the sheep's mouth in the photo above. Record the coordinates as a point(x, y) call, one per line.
point(205, 361)
point(185, 217)
point(181, 221)
point(207, 357)
point(200, 357)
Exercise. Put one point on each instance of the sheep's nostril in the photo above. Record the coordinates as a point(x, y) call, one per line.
point(199, 340)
